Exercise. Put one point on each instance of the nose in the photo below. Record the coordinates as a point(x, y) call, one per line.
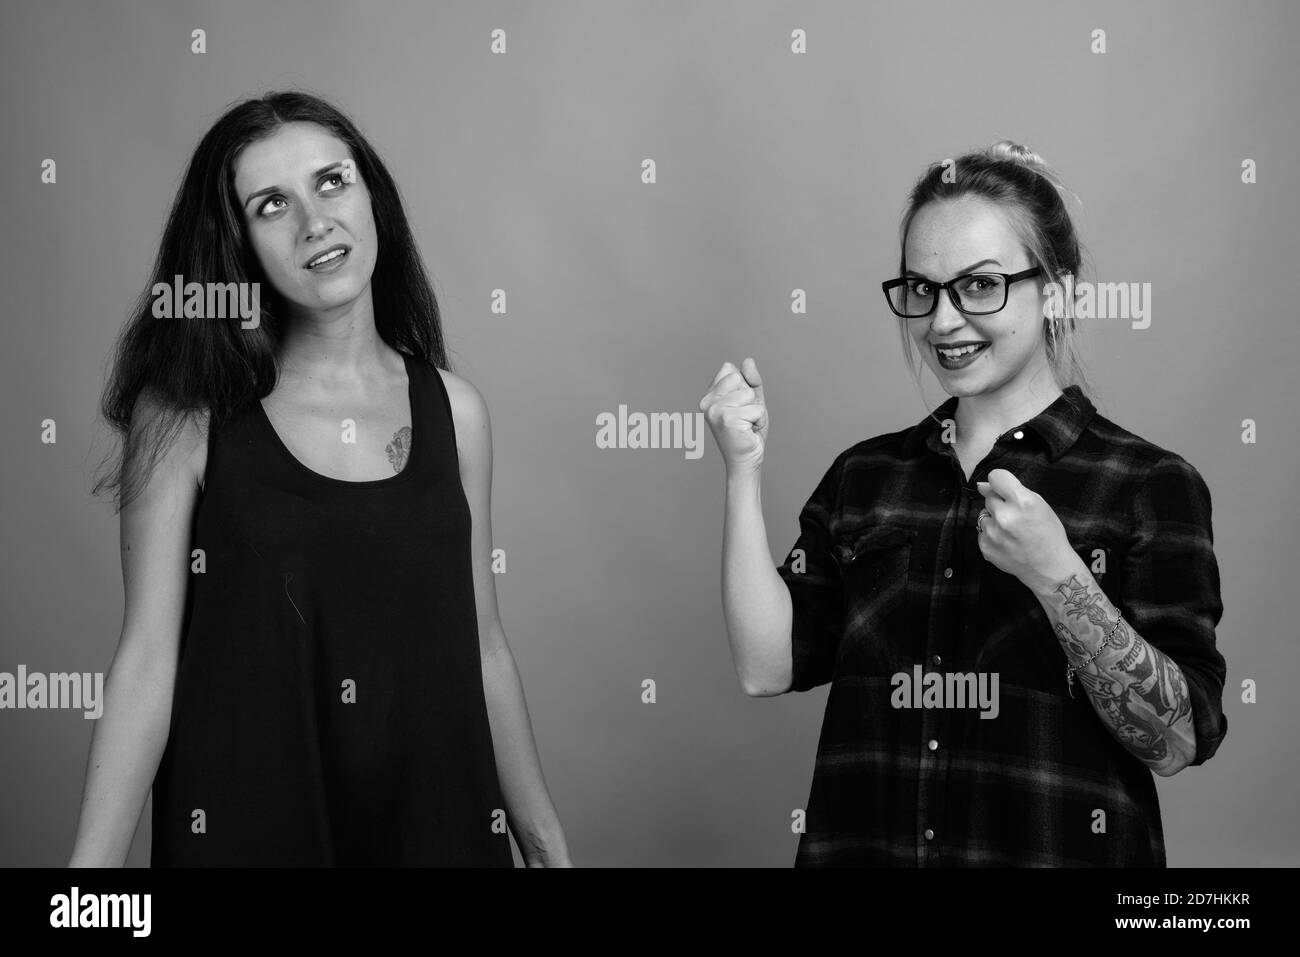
point(315, 223)
point(946, 317)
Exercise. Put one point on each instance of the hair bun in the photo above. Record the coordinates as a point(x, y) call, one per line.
point(1018, 153)
point(1013, 152)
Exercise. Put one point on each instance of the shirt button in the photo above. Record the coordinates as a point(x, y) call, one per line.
point(934, 745)
point(1018, 434)
point(929, 834)
point(938, 659)
point(947, 573)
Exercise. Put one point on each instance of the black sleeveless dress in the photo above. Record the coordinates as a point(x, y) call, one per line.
point(329, 706)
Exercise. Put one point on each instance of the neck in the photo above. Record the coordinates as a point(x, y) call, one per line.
point(992, 413)
point(334, 344)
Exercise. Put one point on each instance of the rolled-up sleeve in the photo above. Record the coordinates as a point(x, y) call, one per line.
point(1172, 589)
point(812, 575)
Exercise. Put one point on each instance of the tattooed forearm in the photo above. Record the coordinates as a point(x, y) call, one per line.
point(1140, 693)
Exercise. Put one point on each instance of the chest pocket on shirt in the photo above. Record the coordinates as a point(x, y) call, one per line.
point(874, 569)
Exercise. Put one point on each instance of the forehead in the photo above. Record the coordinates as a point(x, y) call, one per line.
point(951, 234)
point(293, 151)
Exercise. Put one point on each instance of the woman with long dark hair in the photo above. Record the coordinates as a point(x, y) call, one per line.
point(1014, 601)
point(312, 670)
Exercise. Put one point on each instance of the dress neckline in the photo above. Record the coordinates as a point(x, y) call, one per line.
point(418, 441)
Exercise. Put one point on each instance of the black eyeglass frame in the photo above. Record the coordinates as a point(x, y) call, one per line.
point(1007, 280)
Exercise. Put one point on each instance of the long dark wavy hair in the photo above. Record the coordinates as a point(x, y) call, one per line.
point(190, 367)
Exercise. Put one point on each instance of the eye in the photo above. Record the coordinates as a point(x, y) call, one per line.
point(261, 210)
point(982, 286)
point(919, 287)
point(336, 178)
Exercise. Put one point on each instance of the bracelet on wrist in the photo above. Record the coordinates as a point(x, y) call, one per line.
point(1070, 669)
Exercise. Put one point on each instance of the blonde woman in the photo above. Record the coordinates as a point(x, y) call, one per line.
point(1014, 600)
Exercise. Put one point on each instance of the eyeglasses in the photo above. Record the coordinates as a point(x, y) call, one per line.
point(974, 294)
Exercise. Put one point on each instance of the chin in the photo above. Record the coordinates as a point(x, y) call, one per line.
point(339, 296)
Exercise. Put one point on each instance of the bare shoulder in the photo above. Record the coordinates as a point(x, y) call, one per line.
point(468, 408)
point(177, 439)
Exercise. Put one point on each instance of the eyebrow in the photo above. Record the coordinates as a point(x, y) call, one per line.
point(275, 189)
point(970, 268)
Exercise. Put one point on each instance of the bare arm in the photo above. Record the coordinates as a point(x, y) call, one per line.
point(130, 736)
point(1139, 692)
point(755, 601)
point(531, 814)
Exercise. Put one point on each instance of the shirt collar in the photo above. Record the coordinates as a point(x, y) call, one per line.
point(1058, 426)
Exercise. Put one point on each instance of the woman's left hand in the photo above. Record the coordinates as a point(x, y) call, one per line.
point(1022, 535)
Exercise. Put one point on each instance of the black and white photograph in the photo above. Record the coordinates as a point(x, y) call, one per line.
point(692, 436)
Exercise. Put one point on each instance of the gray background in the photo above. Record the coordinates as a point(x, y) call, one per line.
point(775, 171)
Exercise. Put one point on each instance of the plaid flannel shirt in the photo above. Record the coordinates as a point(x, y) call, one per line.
point(887, 578)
